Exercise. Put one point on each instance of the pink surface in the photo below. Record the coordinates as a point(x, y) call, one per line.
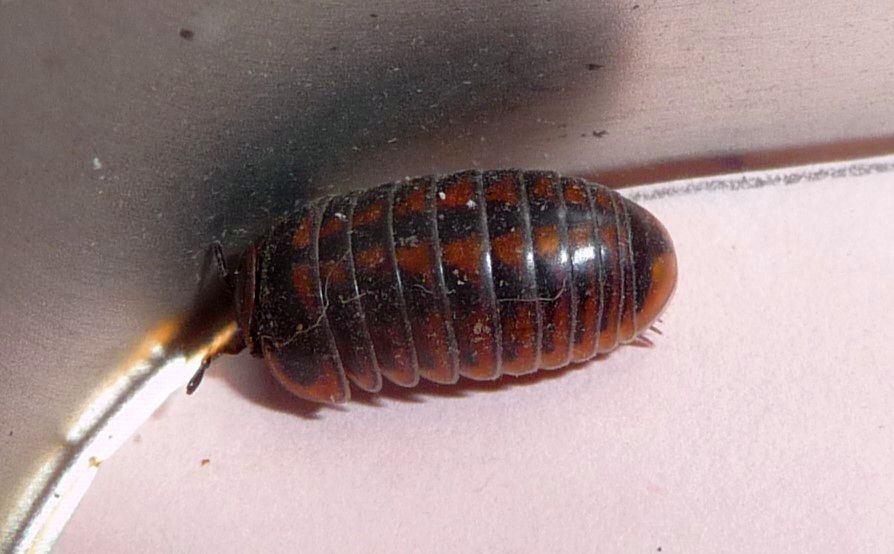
point(762, 420)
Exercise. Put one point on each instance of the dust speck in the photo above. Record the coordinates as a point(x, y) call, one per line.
point(204, 462)
point(97, 164)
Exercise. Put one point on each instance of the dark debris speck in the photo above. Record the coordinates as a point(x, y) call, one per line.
point(600, 134)
point(186, 34)
point(594, 66)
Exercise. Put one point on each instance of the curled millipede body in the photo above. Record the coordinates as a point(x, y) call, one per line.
point(474, 274)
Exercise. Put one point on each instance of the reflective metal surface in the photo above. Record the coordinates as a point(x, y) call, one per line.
point(132, 136)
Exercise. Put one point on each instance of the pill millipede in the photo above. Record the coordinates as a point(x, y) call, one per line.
point(474, 274)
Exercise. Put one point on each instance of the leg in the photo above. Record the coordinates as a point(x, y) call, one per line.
point(217, 251)
point(214, 255)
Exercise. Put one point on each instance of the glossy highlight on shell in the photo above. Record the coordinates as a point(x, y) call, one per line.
point(474, 274)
